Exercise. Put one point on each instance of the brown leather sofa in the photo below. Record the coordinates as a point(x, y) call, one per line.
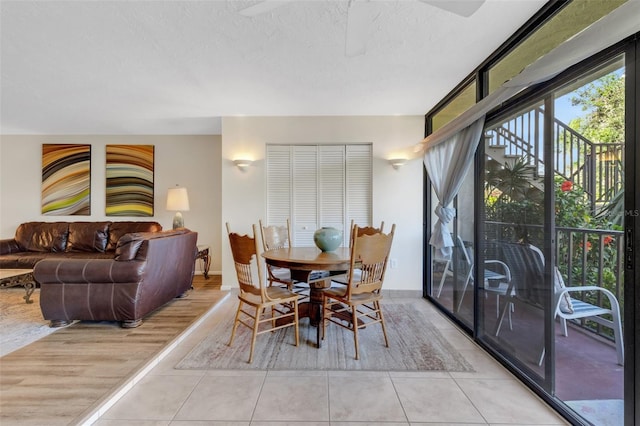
point(146, 271)
point(35, 241)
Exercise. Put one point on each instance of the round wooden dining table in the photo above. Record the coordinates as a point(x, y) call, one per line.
point(309, 258)
point(304, 263)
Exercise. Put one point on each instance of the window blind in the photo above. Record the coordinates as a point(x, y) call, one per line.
point(318, 185)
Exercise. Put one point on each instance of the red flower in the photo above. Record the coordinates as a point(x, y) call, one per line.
point(567, 185)
point(588, 245)
point(607, 240)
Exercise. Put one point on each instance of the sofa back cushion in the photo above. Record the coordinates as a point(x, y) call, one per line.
point(134, 245)
point(142, 251)
point(88, 236)
point(118, 229)
point(128, 246)
point(42, 236)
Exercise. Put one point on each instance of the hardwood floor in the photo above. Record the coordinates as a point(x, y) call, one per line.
point(62, 378)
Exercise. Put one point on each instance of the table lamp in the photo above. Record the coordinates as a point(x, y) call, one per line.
point(178, 201)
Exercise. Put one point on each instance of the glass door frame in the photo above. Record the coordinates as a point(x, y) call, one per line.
point(632, 234)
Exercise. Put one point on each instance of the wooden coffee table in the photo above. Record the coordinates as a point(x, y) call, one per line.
point(16, 277)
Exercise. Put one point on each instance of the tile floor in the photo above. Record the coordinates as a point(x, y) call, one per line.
point(488, 396)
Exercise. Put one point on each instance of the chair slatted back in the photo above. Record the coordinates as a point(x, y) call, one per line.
point(464, 255)
point(275, 236)
point(245, 251)
point(527, 272)
point(365, 230)
point(369, 254)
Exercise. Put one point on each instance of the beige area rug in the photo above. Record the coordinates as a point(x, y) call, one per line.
point(20, 323)
point(414, 345)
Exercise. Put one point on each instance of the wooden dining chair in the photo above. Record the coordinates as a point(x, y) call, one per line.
point(342, 277)
point(277, 237)
point(357, 305)
point(279, 301)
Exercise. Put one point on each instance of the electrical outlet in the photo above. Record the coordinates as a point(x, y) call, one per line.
point(394, 263)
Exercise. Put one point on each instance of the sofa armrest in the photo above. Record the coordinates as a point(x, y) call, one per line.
point(9, 246)
point(67, 271)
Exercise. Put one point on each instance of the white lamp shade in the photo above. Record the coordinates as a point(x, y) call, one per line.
point(177, 199)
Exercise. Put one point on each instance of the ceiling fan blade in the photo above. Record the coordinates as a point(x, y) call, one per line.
point(263, 7)
point(359, 22)
point(464, 8)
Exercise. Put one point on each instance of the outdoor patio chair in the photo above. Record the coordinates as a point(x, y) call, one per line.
point(279, 301)
point(357, 305)
point(527, 266)
point(496, 279)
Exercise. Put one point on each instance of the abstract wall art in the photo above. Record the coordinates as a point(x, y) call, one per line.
point(129, 190)
point(66, 179)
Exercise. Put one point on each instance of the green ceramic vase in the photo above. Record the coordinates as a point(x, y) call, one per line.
point(327, 238)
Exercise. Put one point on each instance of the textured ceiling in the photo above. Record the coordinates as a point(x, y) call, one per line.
point(176, 67)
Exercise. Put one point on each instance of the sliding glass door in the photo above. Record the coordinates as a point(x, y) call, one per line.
point(551, 301)
point(556, 226)
point(515, 292)
point(589, 150)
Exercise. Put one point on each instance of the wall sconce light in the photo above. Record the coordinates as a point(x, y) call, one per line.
point(396, 163)
point(242, 164)
point(178, 200)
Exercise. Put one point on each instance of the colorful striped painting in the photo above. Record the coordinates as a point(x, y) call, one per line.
point(129, 173)
point(66, 179)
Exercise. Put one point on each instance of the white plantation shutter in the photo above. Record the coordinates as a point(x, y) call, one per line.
point(304, 215)
point(318, 185)
point(358, 184)
point(278, 166)
point(331, 179)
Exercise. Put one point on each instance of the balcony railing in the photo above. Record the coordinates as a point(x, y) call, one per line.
point(595, 167)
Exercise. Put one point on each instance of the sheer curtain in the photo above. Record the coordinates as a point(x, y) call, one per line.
point(447, 164)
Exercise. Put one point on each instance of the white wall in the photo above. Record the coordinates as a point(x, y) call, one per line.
point(191, 161)
point(219, 192)
point(397, 194)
